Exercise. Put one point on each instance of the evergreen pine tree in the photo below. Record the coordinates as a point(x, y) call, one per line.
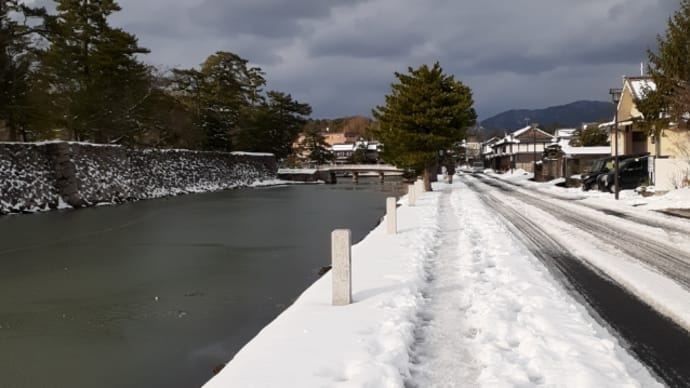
point(232, 111)
point(229, 89)
point(224, 95)
point(591, 136)
point(274, 126)
point(359, 155)
point(427, 112)
point(16, 59)
point(314, 144)
point(97, 85)
point(670, 69)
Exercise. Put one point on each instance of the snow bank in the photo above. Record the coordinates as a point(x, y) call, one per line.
point(365, 344)
point(452, 300)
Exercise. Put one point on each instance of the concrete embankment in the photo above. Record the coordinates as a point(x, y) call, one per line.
point(49, 175)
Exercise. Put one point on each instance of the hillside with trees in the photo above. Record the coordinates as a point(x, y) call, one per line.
point(569, 115)
point(354, 127)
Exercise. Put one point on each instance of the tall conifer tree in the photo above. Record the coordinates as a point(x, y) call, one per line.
point(97, 84)
point(425, 114)
point(670, 69)
point(15, 64)
point(223, 94)
point(314, 144)
point(274, 125)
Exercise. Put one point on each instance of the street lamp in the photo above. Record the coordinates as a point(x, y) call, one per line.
point(534, 139)
point(615, 97)
point(512, 154)
point(464, 147)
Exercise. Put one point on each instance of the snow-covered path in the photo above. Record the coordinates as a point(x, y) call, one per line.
point(478, 289)
point(495, 316)
point(441, 356)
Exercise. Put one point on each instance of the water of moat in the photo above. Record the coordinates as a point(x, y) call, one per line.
point(157, 293)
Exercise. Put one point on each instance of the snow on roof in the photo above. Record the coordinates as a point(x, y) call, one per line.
point(521, 131)
point(527, 128)
point(491, 141)
point(343, 147)
point(244, 153)
point(45, 142)
point(297, 170)
point(570, 150)
point(565, 132)
point(511, 137)
point(640, 86)
point(507, 140)
point(604, 150)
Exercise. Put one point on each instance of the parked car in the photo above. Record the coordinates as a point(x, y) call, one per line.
point(599, 166)
point(592, 178)
point(477, 167)
point(463, 168)
point(632, 173)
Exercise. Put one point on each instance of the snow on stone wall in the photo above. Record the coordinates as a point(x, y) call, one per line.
point(27, 181)
point(157, 173)
point(103, 174)
point(44, 176)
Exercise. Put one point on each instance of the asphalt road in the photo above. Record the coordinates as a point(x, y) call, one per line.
point(652, 337)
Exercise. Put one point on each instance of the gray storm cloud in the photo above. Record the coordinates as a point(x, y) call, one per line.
point(340, 55)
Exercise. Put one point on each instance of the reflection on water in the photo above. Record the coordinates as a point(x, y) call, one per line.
point(157, 293)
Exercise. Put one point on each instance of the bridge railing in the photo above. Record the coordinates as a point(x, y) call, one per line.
point(360, 167)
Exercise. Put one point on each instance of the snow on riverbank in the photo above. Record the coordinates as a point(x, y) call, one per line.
point(452, 288)
point(315, 344)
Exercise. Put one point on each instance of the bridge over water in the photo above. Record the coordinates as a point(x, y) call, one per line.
point(328, 173)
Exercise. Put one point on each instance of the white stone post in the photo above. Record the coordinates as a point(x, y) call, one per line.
point(341, 266)
point(411, 195)
point(419, 185)
point(391, 215)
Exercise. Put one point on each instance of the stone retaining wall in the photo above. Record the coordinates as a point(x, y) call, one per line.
point(42, 176)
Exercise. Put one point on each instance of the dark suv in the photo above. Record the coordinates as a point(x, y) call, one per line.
point(632, 173)
point(599, 166)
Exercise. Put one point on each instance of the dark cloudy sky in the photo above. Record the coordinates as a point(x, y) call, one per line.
point(340, 55)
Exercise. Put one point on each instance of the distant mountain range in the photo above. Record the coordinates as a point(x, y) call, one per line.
point(563, 116)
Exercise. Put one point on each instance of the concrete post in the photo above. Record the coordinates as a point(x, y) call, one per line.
point(411, 195)
point(419, 185)
point(381, 177)
point(391, 215)
point(341, 266)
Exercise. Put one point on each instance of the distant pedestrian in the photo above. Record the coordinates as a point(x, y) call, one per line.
point(450, 169)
